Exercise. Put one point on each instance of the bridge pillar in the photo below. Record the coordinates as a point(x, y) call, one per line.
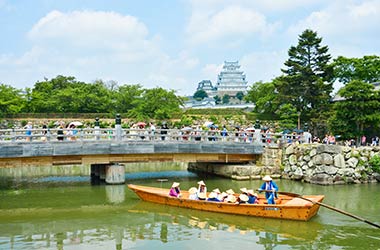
point(98, 173)
point(115, 174)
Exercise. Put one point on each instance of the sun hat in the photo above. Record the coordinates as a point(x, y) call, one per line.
point(243, 190)
point(223, 194)
point(201, 183)
point(231, 198)
point(175, 184)
point(243, 197)
point(251, 192)
point(267, 178)
point(202, 196)
point(216, 190)
point(212, 195)
point(230, 191)
point(192, 190)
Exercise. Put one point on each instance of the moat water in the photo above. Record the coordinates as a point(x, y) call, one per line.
point(69, 213)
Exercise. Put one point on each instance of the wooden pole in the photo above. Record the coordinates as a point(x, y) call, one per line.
point(330, 207)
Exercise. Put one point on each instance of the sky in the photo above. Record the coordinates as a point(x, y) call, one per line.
point(173, 44)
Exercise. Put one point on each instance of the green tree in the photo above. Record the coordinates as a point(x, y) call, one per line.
point(217, 99)
point(359, 110)
point(366, 69)
point(264, 96)
point(225, 99)
point(307, 83)
point(11, 100)
point(200, 95)
point(288, 116)
point(125, 97)
point(239, 95)
point(156, 103)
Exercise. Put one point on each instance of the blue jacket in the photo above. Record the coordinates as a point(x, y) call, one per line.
point(251, 199)
point(272, 185)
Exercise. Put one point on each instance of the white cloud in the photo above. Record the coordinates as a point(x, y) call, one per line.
point(343, 19)
point(230, 21)
point(92, 45)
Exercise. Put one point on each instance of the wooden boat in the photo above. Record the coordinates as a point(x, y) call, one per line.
point(286, 207)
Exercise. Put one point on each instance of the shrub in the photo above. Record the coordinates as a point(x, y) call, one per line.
point(374, 162)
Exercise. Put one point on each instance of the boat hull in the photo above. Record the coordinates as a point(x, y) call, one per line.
point(291, 209)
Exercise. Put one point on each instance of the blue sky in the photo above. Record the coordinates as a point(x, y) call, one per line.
point(172, 44)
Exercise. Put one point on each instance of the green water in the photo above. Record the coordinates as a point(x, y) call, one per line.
point(73, 216)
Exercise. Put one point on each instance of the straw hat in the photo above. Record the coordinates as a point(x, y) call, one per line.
point(175, 184)
point(192, 190)
point(202, 196)
point(243, 197)
point(230, 191)
point(243, 190)
point(201, 183)
point(212, 195)
point(216, 190)
point(267, 178)
point(224, 194)
point(231, 198)
point(251, 192)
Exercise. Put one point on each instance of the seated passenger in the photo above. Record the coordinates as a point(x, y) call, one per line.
point(252, 197)
point(193, 193)
point(213, 197)
point(202, 189)
point(231, 198)
point(243, 199)
point(174, 190)
point(202, 196)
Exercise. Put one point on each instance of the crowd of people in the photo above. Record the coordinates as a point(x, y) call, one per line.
point(206, 132)
point(246, 196)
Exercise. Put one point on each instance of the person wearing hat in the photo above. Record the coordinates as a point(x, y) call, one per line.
point(243, 199)
point(252, 197)
point(270, 188)
point(213, 197)
point(174, 190)
point(202, 189)
point(193, 193)
point(231, 198)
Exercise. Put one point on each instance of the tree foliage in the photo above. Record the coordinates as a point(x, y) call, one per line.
point(264, 96)
point(307, 79)
point(67, 95)
point(225, 99)
point(11, 100)
point(240, 96)
point(200, 94)
point(366, 69)
point(359, 110)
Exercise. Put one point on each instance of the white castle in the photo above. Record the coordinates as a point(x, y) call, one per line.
point(231, 80)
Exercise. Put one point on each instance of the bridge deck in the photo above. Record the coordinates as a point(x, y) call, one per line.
point(103, 152)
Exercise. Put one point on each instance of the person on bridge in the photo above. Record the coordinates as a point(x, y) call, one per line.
point(270, 188)
point(175, 190)
point(202, 189)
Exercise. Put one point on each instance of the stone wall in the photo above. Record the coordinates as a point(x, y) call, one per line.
point(329, 164)
point(268, 163)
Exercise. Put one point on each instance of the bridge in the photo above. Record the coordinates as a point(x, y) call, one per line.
point(102, 148)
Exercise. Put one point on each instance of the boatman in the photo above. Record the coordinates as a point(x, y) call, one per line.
point(270, 188)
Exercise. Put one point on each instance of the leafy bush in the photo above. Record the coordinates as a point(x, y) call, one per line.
point(374, 162)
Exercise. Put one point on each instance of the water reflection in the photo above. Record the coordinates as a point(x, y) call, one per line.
point(112, 217)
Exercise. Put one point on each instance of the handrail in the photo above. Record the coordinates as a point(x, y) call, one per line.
point(105, 134)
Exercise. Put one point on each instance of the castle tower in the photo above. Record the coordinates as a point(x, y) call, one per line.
point(231, 80)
